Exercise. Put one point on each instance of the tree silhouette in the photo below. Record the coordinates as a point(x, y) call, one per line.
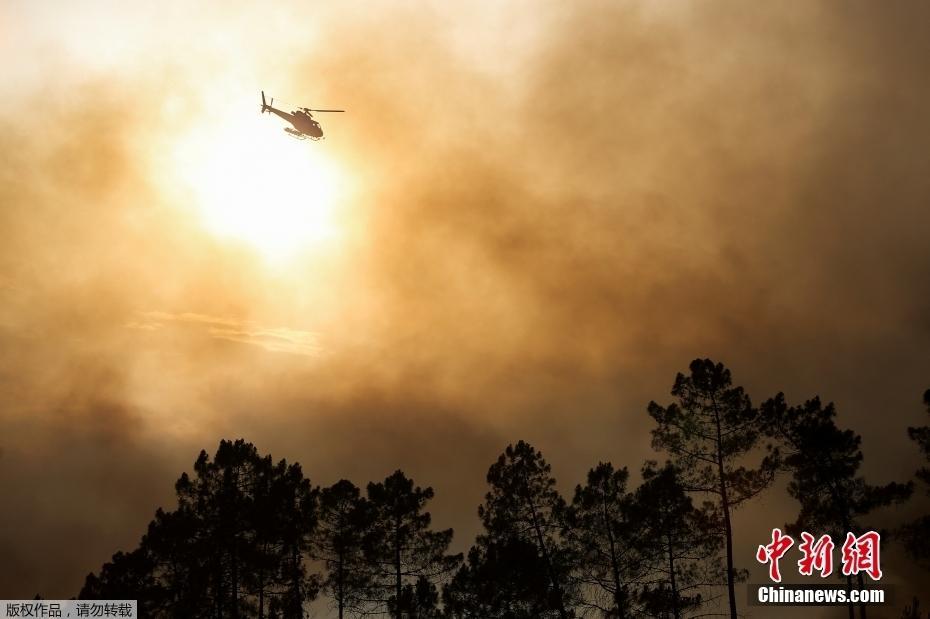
point(246, 531)
point(127, 576)
point(179, 558)
point(295, 504)
point(824, 463)
point(606, 541)
point(344, 520)
point(400, 548)
point(235, 546)
point(218, 502)
point(709, 431)
point(917, 533)
point(249, 514)
point(523, 509)
point(420, 600)
point(678, 541)
point(502, 579)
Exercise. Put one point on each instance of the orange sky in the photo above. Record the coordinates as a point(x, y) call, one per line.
point(529, 219)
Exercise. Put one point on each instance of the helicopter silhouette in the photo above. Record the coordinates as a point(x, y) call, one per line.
point(301, 119)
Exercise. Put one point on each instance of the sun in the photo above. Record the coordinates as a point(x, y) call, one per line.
point(251, 182)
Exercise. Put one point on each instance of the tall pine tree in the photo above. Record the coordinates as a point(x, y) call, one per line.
point(344, 521)
point(679, 543)
point(606, 542)
point(709, 432)
point(824, 462)
point(401, 548)
point(235, 546)
point(523, 509)
point(503, 578)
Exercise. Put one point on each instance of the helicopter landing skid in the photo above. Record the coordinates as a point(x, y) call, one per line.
point(295, 134)
point(301, 136)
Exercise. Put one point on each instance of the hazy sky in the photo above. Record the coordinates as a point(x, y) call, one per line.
point(531, 217)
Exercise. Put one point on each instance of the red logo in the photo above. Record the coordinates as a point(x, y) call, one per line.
point(817, 555)
point(773, 552)
point(859, 554)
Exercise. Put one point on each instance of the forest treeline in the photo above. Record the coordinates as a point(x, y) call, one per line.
point(251, 537)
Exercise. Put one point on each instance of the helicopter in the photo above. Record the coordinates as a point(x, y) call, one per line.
point(302, 120)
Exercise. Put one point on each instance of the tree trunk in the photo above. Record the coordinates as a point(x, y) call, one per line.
point(340, 584)
point(261, 594)
point(847, 526)
point(849, 604)
point(220, 597)
point(725, 507)
point(861, 604)
point(398, 581)
point(556, 586)
point(296, 600)
point(619, 596)
point(731, 586)
point(671, 577)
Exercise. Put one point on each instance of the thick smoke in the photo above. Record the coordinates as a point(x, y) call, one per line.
point(548, 223)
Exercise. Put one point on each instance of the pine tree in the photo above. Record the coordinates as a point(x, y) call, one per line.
point(678, 542)
point(296, 504)
point(523, 505)
point(420, 600)
point(181, 565)
point(345, 519)
point(235, 546)
point(824, 463)
point(128, 576)
point(401, 548)
point(502, 579)
point(220, 503)
point(709, 432)
point(606, 541)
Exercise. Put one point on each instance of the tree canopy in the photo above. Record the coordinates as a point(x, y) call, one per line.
point(250, 537)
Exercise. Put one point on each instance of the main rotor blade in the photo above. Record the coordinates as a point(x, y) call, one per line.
point(309, 110)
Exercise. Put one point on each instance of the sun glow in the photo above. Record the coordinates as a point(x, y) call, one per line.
point(252, 182)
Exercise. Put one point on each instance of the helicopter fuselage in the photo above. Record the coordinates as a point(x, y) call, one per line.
point(302, 122)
